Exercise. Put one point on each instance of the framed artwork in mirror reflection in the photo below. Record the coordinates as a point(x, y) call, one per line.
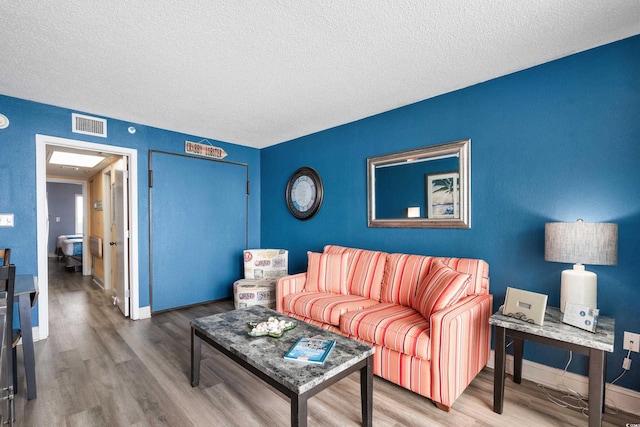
point(443, 195)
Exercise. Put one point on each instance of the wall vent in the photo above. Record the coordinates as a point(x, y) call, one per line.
point(88, 125)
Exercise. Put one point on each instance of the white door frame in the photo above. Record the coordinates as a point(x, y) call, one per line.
point(41, 216)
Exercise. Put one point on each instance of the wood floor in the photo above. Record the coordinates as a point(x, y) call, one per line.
point(99, 369)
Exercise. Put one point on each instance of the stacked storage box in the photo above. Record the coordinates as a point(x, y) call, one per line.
point(262, 267)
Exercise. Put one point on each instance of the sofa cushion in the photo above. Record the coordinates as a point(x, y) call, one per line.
point(366, 269)
point(441, 288)
point(324, 306)
point(327, 273)
point(402, 274)
point(399, 328)
point(477, 268)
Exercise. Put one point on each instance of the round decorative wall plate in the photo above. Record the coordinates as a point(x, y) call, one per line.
point(304, 193)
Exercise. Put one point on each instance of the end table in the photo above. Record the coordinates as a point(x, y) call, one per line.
point(558, 334)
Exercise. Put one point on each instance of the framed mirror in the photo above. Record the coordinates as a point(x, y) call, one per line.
point(422, 188)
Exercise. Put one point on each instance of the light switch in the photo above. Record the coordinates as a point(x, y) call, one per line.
point(57, 219)
point(6, 220)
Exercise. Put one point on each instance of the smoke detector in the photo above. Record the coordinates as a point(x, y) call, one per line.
point(4, 121)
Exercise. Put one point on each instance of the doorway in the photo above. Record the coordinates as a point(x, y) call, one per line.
point(67, 226)
point(44, 141)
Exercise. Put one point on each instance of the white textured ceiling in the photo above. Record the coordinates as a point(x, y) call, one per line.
point(258, 73)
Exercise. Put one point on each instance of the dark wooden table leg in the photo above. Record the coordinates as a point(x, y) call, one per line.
point(596, 386)
point(196, 344)
point(518, 349)
point(498, 372)
point(366, 392)
point(298, 410)
point(24, 308)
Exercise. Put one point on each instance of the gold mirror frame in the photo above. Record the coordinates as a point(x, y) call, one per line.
point(460, 149)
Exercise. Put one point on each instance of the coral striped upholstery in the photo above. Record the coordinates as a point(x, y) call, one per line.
point(441, 288)
point(366, 269)
point(402, 274)
point(390, 325)
point(407, 371)
point(325, 306)
point(327, 273)
point(461, 343)
point(455, 360)
point(436, 353)
point(323, 325)
point(478, 270)
point(289, 285)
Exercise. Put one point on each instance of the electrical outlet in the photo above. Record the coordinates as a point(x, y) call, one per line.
point(6, 220)
point(631, 342)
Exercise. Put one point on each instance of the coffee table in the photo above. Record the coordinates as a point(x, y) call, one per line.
point(264, 357)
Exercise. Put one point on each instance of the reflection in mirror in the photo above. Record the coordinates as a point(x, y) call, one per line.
point(425, 187)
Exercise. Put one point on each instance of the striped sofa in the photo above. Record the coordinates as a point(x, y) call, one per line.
point(427, 317)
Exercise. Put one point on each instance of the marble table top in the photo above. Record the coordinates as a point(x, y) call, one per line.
point(553, 328)
point(230, 331)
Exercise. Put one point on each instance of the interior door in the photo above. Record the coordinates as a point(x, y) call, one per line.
point(198, 210)
point(120, 235)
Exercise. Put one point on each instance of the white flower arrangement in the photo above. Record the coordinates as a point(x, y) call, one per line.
point(273, 327)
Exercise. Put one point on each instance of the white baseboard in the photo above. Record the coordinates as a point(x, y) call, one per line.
point(623, 398)
point(145, 312)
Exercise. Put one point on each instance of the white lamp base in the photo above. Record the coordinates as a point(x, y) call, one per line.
point(579, 287)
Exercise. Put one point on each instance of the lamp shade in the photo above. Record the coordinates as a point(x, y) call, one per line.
point(581, 242)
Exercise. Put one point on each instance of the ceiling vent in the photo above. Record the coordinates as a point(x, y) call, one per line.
point(88, 125)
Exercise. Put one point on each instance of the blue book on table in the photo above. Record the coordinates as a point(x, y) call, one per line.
point(310, 350)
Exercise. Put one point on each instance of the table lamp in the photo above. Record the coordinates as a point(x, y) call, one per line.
point(580, 243)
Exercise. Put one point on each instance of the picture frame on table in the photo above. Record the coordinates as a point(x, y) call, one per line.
point(443, 195)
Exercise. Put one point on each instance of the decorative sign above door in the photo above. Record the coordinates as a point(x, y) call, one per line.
point(206, 150)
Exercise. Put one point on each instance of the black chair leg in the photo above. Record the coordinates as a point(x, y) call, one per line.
point(15, 371)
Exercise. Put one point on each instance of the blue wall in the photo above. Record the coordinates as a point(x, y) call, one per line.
point(556, 142)
point(18, 175)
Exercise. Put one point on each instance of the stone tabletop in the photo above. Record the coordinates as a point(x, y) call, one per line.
point(230, 331)
point(553, 328)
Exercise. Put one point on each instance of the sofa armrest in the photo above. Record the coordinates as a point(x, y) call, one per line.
point(460, 346)
point(289, 285)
